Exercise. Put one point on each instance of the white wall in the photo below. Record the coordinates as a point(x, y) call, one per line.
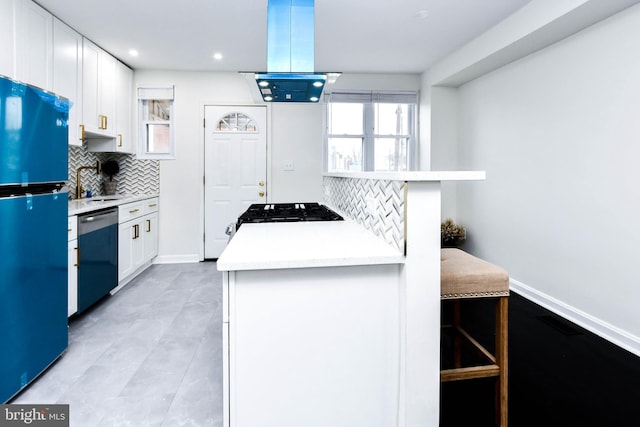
point(181, 187)
point(296, 135)
point(557, 133)
point(297, 139)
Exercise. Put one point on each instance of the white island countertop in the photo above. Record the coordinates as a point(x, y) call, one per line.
point(305, 244)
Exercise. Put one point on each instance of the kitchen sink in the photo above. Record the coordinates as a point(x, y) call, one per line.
point(103, 198)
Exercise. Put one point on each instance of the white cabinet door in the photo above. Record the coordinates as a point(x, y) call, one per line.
point(7, 39)
point(72, 282)
point(67, 74)
point(122, 143)
point(130, 248)
point(107, 71)
point(150, 231)
point(125, 250)
point(98, 91)
point(124, 83)
point(34, 37)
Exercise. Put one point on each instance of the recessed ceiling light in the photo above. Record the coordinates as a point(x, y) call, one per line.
point(133, 52)
point(217, 56)
point(313, 99)
point(318, 84)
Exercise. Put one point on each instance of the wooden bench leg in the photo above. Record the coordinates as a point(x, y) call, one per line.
point(457, 339)
point(502, 359)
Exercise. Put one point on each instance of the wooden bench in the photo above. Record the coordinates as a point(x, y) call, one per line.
point(464, 276)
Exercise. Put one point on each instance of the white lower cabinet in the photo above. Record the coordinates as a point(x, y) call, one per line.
point(72, 259)
point(137, 237)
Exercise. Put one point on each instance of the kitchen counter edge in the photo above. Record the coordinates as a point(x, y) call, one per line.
point(81, 206)
point(305, 245)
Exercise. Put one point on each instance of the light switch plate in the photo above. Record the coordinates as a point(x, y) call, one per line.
point(287, 165)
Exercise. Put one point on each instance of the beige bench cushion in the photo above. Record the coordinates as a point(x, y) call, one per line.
point(465, 276)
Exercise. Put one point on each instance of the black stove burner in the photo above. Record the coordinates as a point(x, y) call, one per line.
point(287, 212)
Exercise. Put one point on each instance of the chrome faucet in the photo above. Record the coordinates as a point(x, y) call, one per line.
point(79, 189)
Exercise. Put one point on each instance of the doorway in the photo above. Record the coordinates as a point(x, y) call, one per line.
point(235, 168)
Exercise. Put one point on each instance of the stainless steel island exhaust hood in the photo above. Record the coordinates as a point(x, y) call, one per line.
point(290, 75)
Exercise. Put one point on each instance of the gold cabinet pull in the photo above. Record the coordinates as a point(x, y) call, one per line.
point(261, 194)
point(134, 211)
point(103, 121)
point(119, 140)
point(148, 226)
point(136, 231)
point(261, 183)
point(153, 205)
point(77, 264)
point(81, 133)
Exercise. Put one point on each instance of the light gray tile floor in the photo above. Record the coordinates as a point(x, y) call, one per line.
point(150, 355)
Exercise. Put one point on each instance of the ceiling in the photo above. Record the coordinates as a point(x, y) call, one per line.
point(351, 36)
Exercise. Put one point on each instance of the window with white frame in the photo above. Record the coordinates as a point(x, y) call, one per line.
point(370, 131)
point(155, 118)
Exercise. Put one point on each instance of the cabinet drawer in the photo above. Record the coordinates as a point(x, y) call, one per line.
point(73, 227)
point(130, 211)
point(151, 205)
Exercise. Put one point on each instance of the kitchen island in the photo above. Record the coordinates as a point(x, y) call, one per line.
point(337, 323)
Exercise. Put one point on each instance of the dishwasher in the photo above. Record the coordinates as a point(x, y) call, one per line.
point(98, 256)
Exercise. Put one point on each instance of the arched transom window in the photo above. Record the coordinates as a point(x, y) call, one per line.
point(236, 122)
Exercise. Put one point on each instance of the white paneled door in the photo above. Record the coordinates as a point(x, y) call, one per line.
point(235, 168)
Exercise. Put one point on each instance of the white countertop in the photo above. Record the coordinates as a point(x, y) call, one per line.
point(79, 206)
point(415, 176)
point(305, 245)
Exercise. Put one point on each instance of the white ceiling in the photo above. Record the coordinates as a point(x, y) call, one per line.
point(357, 36)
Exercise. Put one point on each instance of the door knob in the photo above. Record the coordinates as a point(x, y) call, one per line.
point(261, 183)
point(261, 194)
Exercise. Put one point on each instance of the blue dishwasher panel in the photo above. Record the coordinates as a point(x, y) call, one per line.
point(98, 269)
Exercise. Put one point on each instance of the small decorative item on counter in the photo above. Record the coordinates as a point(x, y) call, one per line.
point(89, 193)
point(452, 235)
point(110, 168)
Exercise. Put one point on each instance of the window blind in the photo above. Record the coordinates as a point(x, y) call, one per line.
point(363, 97)
point(155, 92)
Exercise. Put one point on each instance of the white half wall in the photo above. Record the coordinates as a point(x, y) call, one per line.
point(557, 133)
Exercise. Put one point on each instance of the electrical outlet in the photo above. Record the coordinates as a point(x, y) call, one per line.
point(287, 165)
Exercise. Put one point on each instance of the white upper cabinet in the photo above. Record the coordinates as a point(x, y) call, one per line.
point(34, 44)
point(122, 122)
point(124, 91)
point(67, 74)
point(7, 39)
point(98, 92)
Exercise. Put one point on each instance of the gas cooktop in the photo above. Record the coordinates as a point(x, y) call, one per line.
point(287, 212)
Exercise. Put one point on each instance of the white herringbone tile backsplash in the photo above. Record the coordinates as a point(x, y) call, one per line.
point(136, 176)
point(349, 196)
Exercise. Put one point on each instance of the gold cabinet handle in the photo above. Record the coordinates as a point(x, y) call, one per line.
point(119, 140)
point(148, 226)
point(103, 121)
point(81, 133)
point(153, 205)
point(261, 194)
point(136, 231)
point(261, 183)
point(134, 211)
point(77, 264)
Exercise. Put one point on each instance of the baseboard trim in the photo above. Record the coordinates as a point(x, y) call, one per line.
point(603, 329)
point(177, 259)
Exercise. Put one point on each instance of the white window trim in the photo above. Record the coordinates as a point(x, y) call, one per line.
point(368, 98)
point(147, 92)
